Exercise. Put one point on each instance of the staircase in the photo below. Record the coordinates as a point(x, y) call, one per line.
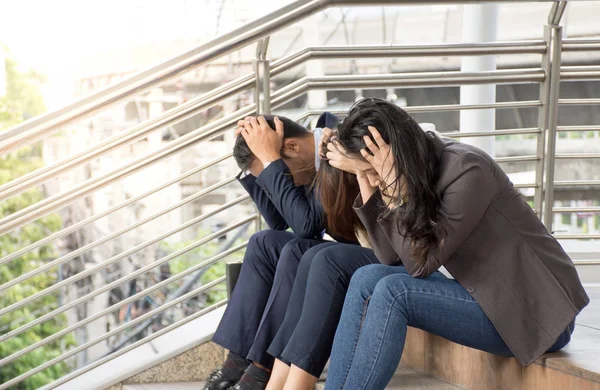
point(137, 223)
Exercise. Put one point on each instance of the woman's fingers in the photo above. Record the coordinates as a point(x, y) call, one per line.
point(377, 137)
point(367, 156)
point(334, 163)
point(327, 133)
point(370, 145)
point(254, 123)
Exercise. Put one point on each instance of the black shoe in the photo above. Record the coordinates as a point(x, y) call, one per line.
point(253, 379)
point(218, 381)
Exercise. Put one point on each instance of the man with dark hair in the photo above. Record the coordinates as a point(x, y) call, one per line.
point(278, 159)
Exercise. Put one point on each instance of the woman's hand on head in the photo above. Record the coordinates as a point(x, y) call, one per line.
point(379, 155)
point(339, 158)
point(325, 139)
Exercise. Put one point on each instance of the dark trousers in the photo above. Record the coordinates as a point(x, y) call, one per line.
point(306, 336)
point(259, 300)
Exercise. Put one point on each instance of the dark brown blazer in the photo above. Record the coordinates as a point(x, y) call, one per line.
point(495, 247)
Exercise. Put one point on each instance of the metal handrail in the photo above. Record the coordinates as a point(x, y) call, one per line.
point(104, 264)
point(443, 107)
point(43, 126)
point(580, 44)
point(91, 245)
point(106, 335)
point(570, 156)
point(576, 183)
point(170, 117)
point(279, 98)
point(117, 282)
point(48, 205)
point(118, 305)
point(579, 73)
point(147, 339)
point(242, 83)
point(251, 32)
point(495, 133)
point(576, 209)
point(109, 211)
point(578, 128)
point(384, 51)
point(578, 102)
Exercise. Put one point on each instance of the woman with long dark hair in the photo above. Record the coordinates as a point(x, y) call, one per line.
point(514, 292)
point(303, 343)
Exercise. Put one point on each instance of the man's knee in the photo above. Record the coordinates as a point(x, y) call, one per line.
point(263, 242)
point(291, 254)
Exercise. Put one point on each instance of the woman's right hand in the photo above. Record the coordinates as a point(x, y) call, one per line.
point(325, 139)
point(338, 158)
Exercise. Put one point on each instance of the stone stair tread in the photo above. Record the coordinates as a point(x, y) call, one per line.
point(165, 386)
point(409, 379)
point(405, 379)
point(581, 357)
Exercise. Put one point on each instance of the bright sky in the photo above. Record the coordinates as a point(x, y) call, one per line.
point(51, 36)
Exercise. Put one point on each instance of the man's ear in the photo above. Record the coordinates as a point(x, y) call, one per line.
point(290, 147)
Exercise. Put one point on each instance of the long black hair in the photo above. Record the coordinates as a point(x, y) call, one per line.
point(415, 159)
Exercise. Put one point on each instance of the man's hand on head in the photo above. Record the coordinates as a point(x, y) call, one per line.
point(264, 143)
point(240, 125)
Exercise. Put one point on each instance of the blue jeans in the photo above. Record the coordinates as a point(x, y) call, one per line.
point(382, 302)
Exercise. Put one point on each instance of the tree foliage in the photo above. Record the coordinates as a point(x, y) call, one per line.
point(22, 101)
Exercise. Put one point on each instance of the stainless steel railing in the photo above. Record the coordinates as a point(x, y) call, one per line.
point(548, 76)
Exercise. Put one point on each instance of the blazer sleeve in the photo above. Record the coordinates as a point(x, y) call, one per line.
point(299, 208)
point(266, 208)
point(369, 214)
point(464, 202)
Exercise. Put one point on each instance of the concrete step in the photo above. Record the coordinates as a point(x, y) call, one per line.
point(166, 386)
point(409, 379)
point(428, 357)
point(405, 379)
point(577, 366)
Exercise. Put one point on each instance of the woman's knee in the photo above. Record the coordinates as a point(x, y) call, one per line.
point(329, 260)
point(309, 256)
point(366, 278)
point(394, 289)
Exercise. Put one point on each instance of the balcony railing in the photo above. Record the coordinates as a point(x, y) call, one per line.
point(547, 75)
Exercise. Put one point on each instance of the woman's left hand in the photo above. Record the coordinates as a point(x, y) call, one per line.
point(381, 158)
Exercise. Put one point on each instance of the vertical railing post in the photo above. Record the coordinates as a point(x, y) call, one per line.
point(262, 92)
point(554, 35)
point(538, 197)
point(262, 69)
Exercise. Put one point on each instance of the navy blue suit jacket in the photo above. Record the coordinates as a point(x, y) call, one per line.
point(284, 205)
